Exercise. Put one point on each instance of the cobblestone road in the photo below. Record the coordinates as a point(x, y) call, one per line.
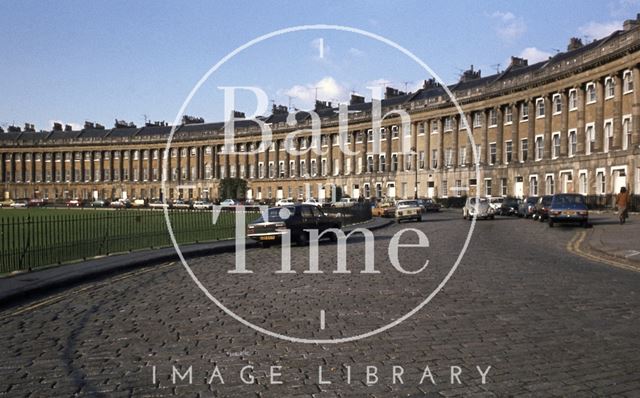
point(545, 321)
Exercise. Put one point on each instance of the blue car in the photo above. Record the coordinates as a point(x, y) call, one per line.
point(568, 208)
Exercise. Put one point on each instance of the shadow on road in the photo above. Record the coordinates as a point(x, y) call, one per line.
point(78, 377)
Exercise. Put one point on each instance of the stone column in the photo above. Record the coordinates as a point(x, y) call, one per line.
point(564, 125)
point(531, 130)
point(484, 145)
point(3, 168)
point(307, 163)
point(548, 115)
point(515, 132)
point(580, 133)
point(276, 159)
point(456, 140)
point(599, 127)
point(287, 160)
point(427, 145)
point(440, 159)
point(470, 160)
point(388, 150)
point(635, 110)
point(617, 112)
point(330, 156)
point(299, 172)
point(500, 135)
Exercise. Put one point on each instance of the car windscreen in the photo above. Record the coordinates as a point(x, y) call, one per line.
point(568, 200)
point(275, 214)
point(411, 203)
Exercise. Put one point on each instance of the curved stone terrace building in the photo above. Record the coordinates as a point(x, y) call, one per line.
point(568, 124)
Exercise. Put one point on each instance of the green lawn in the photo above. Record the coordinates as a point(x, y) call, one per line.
point(32, 238)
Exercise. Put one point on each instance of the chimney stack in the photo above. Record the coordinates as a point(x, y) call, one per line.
point(517, 62)
point(574, 43)
point(631, 23)
point(356, 99)
point(470, 74)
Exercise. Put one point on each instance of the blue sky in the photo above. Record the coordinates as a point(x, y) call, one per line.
point(73, 61)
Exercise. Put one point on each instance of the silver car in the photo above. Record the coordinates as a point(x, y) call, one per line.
point(482, 209)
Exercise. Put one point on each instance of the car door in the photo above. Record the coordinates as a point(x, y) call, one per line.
point(322, 221)
point(308, 221)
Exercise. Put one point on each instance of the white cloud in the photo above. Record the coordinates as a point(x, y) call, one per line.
point(328, 89)
point(508, 26)
point(534, 55)
point(598, 30)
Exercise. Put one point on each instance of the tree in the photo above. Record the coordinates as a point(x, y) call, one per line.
point(232, 188)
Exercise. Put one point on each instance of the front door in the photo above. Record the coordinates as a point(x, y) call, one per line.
point(619, 180)
point(518, 189)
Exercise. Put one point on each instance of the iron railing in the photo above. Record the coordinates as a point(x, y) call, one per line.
point(32, 239)
point(38, 239)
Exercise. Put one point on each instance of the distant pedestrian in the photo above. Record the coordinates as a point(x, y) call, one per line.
point(622, 202)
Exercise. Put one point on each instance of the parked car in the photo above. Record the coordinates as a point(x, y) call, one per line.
point(18, 204)
point(542, 208)
point(482, 209)
point(383, 209)
point(509, 207)
point(120, 204)
point(527, 207)
point(429, 205)
point(345, 202)
point(228, 202)
point(6, 203)
point(408, 210)
point(568, 208)
point(180, 204)
point(158, 204)
point(37, 202)
point(294, 218)
point(74, 203)
point(138, 203)
point(99, 203)
point(202, 205)
point(495, 204)
point(312, 202)
point(284, 202)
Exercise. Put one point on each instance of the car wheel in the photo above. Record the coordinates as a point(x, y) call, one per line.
point(419, 219)
point(493, 217)
point(541, 219)
point(585, 224)
point(550, 223)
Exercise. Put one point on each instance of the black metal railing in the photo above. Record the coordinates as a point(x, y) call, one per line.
point(35, 240)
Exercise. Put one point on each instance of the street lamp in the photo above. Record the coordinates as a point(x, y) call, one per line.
point(415, 166)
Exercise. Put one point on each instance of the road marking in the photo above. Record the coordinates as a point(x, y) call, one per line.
point(321, 319)
point(574, 246)
point(60, 297)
